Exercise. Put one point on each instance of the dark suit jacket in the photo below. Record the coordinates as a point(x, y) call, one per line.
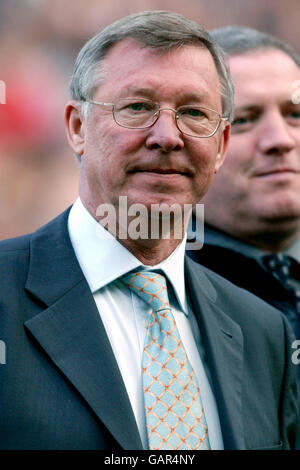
point(61, 387)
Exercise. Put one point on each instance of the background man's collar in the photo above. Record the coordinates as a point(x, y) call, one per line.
point(216, 237)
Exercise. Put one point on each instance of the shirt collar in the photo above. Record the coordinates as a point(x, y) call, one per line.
point(103, 259)
point(218, 238)
point(294, 250)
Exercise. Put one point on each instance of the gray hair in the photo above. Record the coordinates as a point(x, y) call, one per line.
point(155, 29)
point(236, 40)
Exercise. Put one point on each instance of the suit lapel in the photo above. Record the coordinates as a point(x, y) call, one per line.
point(72, 334)
point(223, 341)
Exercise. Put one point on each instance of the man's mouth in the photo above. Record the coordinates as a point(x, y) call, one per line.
point(161, 171)
point(276, 171)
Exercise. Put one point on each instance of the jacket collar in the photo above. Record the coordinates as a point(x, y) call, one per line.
point(71, 332)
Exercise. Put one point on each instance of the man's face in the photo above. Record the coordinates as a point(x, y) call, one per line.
point(259, 184)
point(158, 164)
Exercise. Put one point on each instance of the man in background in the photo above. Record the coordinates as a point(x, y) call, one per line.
point(252, 209)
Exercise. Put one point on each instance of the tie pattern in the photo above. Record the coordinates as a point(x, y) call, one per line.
point(279, 265)
point(174, 413)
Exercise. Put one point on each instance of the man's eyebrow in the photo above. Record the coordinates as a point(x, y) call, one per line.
point(248, 107)
point(289, 103)
point(192, 96)
point(258, 107)
point(137, 91)
point(150, 93)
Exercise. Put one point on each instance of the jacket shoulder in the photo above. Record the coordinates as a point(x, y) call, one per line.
point(14, 262)
point(16, 245)
point(15, 253)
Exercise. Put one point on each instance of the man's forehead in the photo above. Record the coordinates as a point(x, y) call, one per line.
point(133, 50)
point(130, 66)
point(264, 74)
point(258, 62)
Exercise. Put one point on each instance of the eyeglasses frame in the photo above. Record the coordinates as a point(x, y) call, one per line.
point(222, 119)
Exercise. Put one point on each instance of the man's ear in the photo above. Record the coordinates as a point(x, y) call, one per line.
point(75, 127)
point(223, 146)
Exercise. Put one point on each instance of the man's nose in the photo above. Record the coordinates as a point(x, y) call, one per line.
point(164, 134)
point(276, 136)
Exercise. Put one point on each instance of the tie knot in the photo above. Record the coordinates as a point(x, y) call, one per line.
point(149, 286)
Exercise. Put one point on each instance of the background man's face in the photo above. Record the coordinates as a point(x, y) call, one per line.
point(158, 164)
point(260, 180)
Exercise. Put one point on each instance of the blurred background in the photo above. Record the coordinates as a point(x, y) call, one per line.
point(39, 41)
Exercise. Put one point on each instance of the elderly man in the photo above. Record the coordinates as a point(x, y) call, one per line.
point(252, 210)
point(106, 348)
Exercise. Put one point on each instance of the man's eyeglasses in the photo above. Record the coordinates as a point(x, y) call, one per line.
point(139, 113)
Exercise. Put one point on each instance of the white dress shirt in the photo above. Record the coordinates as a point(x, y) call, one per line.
point(103, 260)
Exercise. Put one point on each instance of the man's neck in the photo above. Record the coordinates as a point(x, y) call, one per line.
point(151, 252)
point(149, 238)
point(272, 242)
point(267, 241)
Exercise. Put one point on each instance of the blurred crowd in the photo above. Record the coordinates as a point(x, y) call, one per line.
point(39, 41)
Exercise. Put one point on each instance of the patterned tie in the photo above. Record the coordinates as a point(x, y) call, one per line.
point(279, 265)
point(174, 413)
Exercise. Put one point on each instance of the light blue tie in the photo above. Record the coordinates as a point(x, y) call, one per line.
point(174, 413)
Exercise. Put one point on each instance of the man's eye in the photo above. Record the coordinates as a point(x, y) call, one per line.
point(241, 121)
point(294, 115)
point(244, 123)
point(192, 112)
point(137, 106)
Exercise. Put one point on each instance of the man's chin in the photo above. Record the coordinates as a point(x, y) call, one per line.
point(284, 209)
